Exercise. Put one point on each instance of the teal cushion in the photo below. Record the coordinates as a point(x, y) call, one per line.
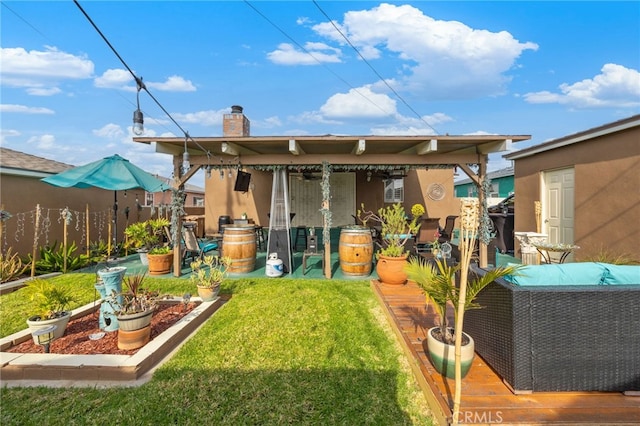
point(582, 273)
point(621, 274)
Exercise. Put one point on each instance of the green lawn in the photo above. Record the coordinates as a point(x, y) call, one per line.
point(281, 351)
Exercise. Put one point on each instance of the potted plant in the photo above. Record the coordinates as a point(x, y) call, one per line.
point(144, 236)
point(52, 302)
point(437, 278)
point(395, 230)
point(209, 279)
point(133, 310)
point(133, 307)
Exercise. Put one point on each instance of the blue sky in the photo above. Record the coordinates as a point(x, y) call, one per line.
point(548, 69)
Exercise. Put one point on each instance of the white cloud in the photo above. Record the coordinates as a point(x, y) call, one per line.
point(38, 69)
point(45, 142)
point(173, 84)
point(314, 54)
point(23, 109)
point(110, 131)
point(204, 118)
point(443, 59)
point(615, 86)
point(122, 79)
point(50, 63)
point(412, 125)
point(43, 91)
point(358, 103)
point(5, 134)
point(115, 79)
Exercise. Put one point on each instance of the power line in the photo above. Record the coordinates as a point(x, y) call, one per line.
point(371, 66)
point(138, 80)
point(312, 56)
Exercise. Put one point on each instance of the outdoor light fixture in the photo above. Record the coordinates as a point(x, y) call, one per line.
point(221, 174)
point(44, 336)
point(369, 176)
point(138, 118)
point(186, 164)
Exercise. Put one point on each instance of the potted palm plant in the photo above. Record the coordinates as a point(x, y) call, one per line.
point(437, 278)
point(396, 229)
point(208, 274)
point(52, 302)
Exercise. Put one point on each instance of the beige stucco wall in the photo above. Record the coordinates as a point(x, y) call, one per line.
point(20, 195)
point(607, 191)
point(221, 200)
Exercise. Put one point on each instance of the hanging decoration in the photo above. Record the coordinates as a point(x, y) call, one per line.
point(326, 196)
point(485, 230)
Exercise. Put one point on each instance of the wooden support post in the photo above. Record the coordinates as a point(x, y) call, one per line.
point(88, 222)
point(36, 231)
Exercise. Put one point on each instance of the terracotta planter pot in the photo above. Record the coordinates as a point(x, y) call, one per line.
point(208, 294)
point(134, 339)
point(442, 355)
point(390, 270)
point(132, 322)
point(160, 264)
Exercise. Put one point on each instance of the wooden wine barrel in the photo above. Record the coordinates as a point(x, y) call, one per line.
point(355, 251)
point(239, 244)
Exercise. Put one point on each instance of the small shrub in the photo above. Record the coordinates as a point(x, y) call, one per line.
point(52, 259)
point(51, 300)
point(608, 255)
point(11, 266)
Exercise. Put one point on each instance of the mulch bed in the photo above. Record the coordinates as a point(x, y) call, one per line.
point(76, 337)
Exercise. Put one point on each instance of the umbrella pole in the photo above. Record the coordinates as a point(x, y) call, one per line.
point(115, 221)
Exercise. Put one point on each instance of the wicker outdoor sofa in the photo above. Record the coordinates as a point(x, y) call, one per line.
point(564, 334)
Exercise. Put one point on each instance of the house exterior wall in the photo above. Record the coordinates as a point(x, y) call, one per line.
point(607, 191)
point(21, 194)
point(505, 185)
point(221, 200)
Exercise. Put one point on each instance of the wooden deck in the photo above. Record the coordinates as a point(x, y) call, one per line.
point(485, 398)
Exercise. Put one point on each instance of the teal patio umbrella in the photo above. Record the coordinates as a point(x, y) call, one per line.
point(112, 173)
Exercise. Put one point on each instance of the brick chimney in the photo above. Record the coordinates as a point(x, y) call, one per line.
point(235, 124)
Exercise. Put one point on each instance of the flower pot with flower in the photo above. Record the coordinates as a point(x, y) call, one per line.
point(208, 274)
point(395, 230)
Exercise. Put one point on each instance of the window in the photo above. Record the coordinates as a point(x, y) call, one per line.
point(148, 199)
point(198, 201)
point(394, 190)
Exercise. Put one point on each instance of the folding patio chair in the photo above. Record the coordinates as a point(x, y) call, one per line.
point(194, 247)
point(427, 234)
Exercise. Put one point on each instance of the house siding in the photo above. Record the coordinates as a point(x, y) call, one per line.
point(606, 194)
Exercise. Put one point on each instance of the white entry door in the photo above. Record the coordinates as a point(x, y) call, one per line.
point(558, 208)
point(306, 199)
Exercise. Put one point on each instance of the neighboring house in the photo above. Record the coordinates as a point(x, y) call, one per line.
point(194, 195)
point(588, 186)
point(502, 183)
point(22, 192)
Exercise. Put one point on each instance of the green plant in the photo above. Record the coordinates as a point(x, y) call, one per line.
point(135, 298)
point(11, 266)
point(51, 300)
point(52, 259)
point(396, 228)
point(145, 235)
point(160, 250)
point(212, 276)
point(608, 255)
point(437, 279)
